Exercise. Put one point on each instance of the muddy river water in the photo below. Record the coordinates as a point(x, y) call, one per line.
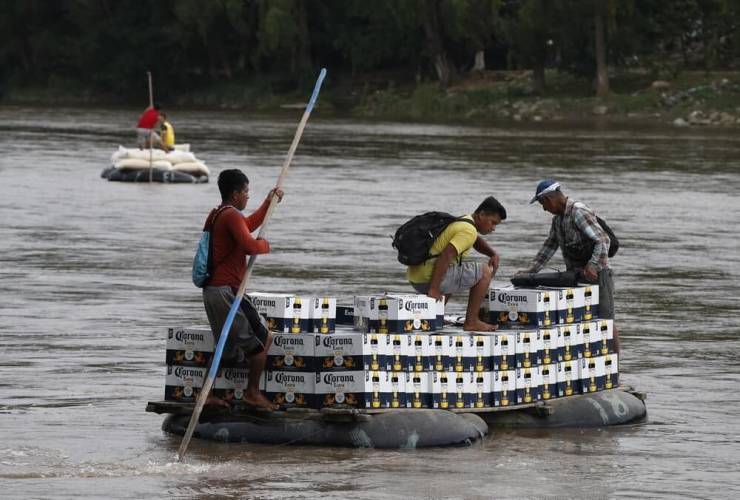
point(93, 272)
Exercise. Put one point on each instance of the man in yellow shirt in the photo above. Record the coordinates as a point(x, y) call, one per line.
point(445, 272)
point(168, 133)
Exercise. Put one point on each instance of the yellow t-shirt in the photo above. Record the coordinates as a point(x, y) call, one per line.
point(460, 235)
point(168, 134)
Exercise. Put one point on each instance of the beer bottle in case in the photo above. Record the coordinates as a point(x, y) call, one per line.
point(569, 317)
point(374, 362)
point(296, 324)
point(324, 328)
point(395, 403)
point(443, 403)
point(460, 399)
point(545, 383)
point(417, 391)
point(383, 316)
point(526, 342)
point(586, 340)
point(504, 389)
point(608, 384)
point(438, 352)
point(479, 354)
point(504, 352)
point(546, 359)
point(587, 314)
point(376, 391)
point(592, 376)
point(527, 386)
point(418, 350)
point(547, 321)
point(568, 380)
point(479, 403)
point(567, 356)
point(458, 354)
point(396, 353)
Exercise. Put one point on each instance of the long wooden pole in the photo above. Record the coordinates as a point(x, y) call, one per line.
point(151, 105)
point(208, 383)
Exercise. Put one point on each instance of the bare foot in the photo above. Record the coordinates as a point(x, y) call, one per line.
point(260, 401)
point(214, 401)
point(478, 326)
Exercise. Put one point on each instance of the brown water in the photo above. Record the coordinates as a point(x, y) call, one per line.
point(93, 272)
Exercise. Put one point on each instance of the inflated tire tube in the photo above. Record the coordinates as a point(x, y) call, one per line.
point(158, 175)
point(393, 430)
point(605, 408)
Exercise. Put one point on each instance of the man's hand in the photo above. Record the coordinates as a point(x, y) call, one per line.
point(589, 272)
point(493, 261)
point(276, 192)
point(434, 293)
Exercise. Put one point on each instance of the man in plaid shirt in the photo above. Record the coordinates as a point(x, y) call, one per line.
point(582, 241)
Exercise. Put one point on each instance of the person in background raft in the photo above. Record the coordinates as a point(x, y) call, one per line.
point(232, 243)
point(150, 121)
point(582, 241)
point(168, 132)
point(448, 273)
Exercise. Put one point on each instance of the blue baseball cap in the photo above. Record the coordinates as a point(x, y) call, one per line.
point(545, 186)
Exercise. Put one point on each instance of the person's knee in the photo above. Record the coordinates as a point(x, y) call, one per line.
point(486, 274)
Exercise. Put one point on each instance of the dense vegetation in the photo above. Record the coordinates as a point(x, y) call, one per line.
point(104, 47)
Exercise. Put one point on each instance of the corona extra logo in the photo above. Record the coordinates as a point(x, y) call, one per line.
point(334, 342)
point(236, 375)
point(505, 297)
point(282, 341)
point(331, 378)
point(183, 372)
point(412, 306)
point(186, 336)
point(259, 302)
point(284, 378)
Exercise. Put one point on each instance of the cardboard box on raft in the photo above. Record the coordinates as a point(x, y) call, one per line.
point(291, 389)
point(289, 313)
point(395, 313)
point(361, 389)
point(292, 351)
point(503, 386)
point(526, 307)
point(350, 350)
point(193, 346)
point(599, 373)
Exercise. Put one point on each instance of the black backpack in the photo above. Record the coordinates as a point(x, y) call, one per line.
point(582, 253)
point(415, 238)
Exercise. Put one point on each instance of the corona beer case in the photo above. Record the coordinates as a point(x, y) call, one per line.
point(590, 302)
point(189, 346)
point(323, 314)
point(449, 389)
point(503, 350)
point(183, 383)
point(403, 314)
point(375, 351)
point(361, 389)
point(591, 338)
point(572, 341)
point(440, 323)
point(291, 389)
point(511, 306)
point(549, 375)
point(528, 385)
point(569, 378)
point(571, 303)
point(419, 390)
point(460, 352)
point(231, 384)
point(284, 313)
point(504, 387)
point(349, 351)
point(438, 352)
point(419, 352)
point(592, 374)
point(361, 313)
point(552, 345)
point(611, 371)
point(482, 350)
point(292, 351)
point(528, 348)
point(606, 330)
point(481, 385)
point(399, 352)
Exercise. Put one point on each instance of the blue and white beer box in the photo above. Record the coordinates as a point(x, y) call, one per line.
point(569, 378)
point(189, 346)
point(571, 302)
point(395, 313)
point(592, 374)
point(286, 313)
point(349, 350)
point(419, 390)
point(482, 349)
point(529, 348)
point(528, 385)
point(611, 371)
point(503, 350)
point(231, 384)
point(481, 384)
point(460, 352)
point(606, 328)
point(549, 375)
point(572, 341)
point(292, 351)
point(323, 314)
point(398, 352)
point(438, 352)
point(419, 352)
point(590, 302)
point(448, 389)
point(361, 389)
point(290, 389)
point(552, 344)
point(512, 306)
point(591, 338)
point(183, 383)
point(504, 387)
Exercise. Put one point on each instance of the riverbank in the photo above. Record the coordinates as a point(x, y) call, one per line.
point(691, 99)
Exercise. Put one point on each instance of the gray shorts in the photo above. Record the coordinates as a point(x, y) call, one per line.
point(458, 278)
point(246, 336)
point(606, 294)
point(142, 137)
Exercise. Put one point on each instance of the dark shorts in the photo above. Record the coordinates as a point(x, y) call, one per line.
point(248, 334)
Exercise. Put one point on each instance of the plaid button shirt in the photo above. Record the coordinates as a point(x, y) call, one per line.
point(576, 225)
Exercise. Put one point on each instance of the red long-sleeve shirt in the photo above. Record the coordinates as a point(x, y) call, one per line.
point(233, 242)
point(148, 118)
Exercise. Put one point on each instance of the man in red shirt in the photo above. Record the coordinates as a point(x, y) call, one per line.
point(146, 130)
point(231, 233)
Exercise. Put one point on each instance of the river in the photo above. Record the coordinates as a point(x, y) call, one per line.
point(93, 272)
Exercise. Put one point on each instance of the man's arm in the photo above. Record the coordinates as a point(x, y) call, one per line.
point(235, 225)
point(546, 252)
point(256, 218)
point(440, 268)
point(482, 246)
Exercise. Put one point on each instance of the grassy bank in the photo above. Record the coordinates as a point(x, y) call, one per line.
point(691, 99)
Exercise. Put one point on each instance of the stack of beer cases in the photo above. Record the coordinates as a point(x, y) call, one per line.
point(562, 348)
point(188, 357)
